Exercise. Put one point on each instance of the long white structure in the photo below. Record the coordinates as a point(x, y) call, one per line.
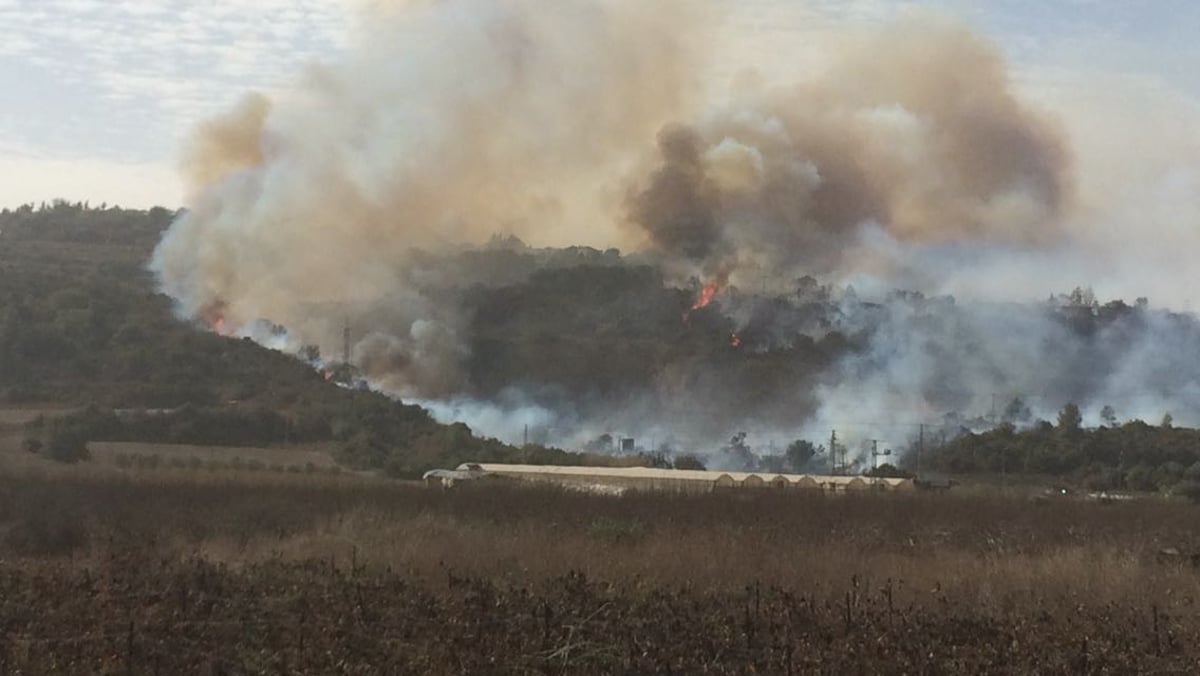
point(678, 480)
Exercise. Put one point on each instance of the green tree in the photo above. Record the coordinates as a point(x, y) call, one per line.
point(1141, 478)
point(688, 461)
point(1069, 420)
point(1017, 411)
point(655, 460)
point(1188, 489)
point(798, 454)
point(889, 471)
point(601, 444)
point(67, 443)
point(740, 451)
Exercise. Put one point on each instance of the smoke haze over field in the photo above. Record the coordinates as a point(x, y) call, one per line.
point(910, 159)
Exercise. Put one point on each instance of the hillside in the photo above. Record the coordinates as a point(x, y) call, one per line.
point(604, 344)
point(82, 323)
point(81, 326)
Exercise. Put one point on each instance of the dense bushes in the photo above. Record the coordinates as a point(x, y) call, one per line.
point(213, 427)
point(81, 324)
point(1133, 456)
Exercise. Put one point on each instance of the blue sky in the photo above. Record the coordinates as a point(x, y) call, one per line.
point(100, 94)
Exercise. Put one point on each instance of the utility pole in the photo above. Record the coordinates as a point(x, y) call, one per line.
point(920, 448)
point(833, 457)
point(346, 341)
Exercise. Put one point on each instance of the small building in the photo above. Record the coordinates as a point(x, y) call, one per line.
point(856, 484)
point(621, 479)
point(805, 481)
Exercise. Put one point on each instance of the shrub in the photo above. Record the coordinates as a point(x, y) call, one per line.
point(1102, 479)
point(1188, 489)
point(688, 461)
point(67, 444)
point(51, 533)
point(1141, 478)
point(147, 461)
point(617, 531)
point(888, 471)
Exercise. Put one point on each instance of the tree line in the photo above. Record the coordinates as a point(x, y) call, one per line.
point(1134, 456)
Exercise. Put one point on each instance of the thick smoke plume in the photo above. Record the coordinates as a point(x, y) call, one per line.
point(446, 123)
point(391, 190)
point(916, 130)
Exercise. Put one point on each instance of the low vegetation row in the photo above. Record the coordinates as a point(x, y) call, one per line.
point(111, 575)
point(373, 432)
point(195, 463)
point(1134, 456)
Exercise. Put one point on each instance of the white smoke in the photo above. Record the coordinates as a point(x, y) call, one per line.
point(909, 158)
point(446, 123)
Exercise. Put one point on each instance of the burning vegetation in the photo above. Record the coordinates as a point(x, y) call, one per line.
point(809, 232)
point(706, 296)
point(543, 369)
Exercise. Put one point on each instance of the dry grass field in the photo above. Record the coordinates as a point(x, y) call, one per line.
point(121, 453)
point(248, 462)
point(195, 572)
point(15, 417)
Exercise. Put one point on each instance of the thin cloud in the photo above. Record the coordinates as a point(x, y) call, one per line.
point(180, 60)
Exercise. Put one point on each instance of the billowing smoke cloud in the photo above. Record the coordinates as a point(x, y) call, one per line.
point(227, 144)
point(369, 195)
point(916, 130)
point(950, 366)
point(445, 123)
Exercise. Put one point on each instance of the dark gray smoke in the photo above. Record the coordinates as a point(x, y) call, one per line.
point(368, 193)
point(917, 130)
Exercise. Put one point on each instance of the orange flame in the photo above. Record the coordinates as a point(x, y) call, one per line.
point(218, 325)
point(735, 341)
point(706, 295)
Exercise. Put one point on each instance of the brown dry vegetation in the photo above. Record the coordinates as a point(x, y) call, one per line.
point(177, 572)
point(317, 456)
